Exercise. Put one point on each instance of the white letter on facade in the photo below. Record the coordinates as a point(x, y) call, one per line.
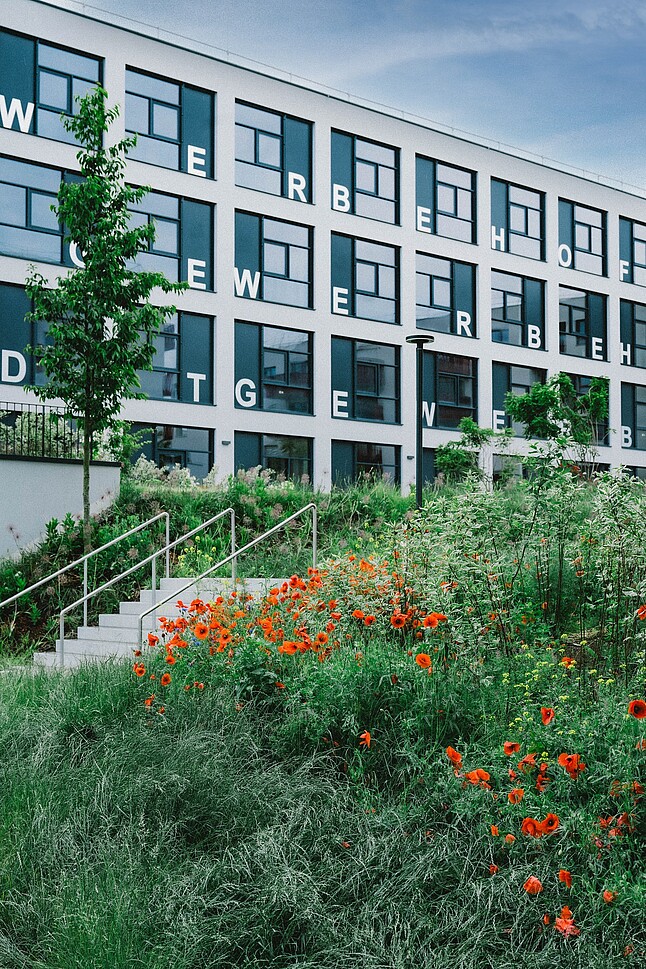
point(626, 436)
point(75, 256)
point(498, 239)
point(428, 413)
point(196, 271)
point(624, 269)
point(296, 185)
point(339, 300)
point(565, 256)
point(626, 351)
point(423, 219)
point(534, 337)
point(597, 348)
point(16, 110)
point(498, 422)
point(340, 198)
point(197, 379)
point(245, 392)
point(246, 282)
point(196, 161)
point(463, 320)
point(5, 371)
point(339, 403)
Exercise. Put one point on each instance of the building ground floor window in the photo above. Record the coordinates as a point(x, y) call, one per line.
point(166, 445)
point(352, 460)
point(290, 457)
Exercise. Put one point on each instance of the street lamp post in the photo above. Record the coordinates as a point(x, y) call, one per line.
point(419, 341)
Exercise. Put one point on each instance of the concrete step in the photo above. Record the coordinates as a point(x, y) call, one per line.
point(107, 634)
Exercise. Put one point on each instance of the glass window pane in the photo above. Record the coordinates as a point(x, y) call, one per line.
point(423, 289)
point(165, 122)
point(245, 144)
point(257, 118)
point(261, 179)
point(278, 290)
point(67, 62)
point(464, 205)
point(41, 213)
point(54, 90)
point(13, 205)
point(287, 399)
point(378, 154)
point(446, 199)
point(387, 281)
point(275, 259)
point(441, 293)
point(453, 176)
point(523, 197)
point(152, 87)
point(156, 152)
point(34, 176)
point(373, 252)
point(136, 114)
point(372, 207)
point(387, 183)
point(79, 89)
point(518, 219)
point(269, 150)
point(366, 177)
point(299, 264)
point(366, 277)
point(274, 365)
point(434, 266)
point(297, 235)
point(29, 245)
point(166, 237)
point(582, 237)
point(454, 229)
point(157, 204)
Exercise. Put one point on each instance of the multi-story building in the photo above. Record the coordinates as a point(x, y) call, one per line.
point(315, 234)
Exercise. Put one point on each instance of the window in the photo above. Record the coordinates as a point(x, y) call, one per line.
point(273, 152)
point(289, 457)
point(632, 318)
point(273, 368)
point(273, 260)
point(365, 178)
point(599, 429)
point(633, 416)
point(28, 227)
point(183, 244)
point(450, 389)
point(17, 367)
point(517, 311)
point(582, 324)
point(183, 361)
point(352, 461)
point(167, 446)
point(445, 295)
point(365, 381)
point(517, 220)
point(174, 123)
point(40, 82)
point(365, 279)
point(446, 200)
point(582, 238)
point(632, 252)
point(508, 378)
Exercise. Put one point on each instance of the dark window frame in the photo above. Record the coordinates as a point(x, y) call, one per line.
point(282, 116)
point(357, 141)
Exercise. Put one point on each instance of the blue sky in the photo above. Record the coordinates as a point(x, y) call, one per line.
point(563, 78)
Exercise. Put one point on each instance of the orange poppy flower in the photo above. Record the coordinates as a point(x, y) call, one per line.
point(516, 795)
point(547, 715)
point(288, 648)
point(510, 838)
point(148, 702)
point(546, 919)
point(637, 709)
point(609, 897)
point(201, 630)
point(424, 660)
point(477, 777)
point(565, 877)
point(432, 620)
point(397, 620)
point(321, 639)
point(565, 923)
point(510, 747)
point(493, 869)
point(279, 685)
point(550, 824)
point(571, 763)
point(529, 760)
point(568, 661)
point(358, 614)
point(369, 620)
point(494, 830)
point(365, 738)
point(139, 669)
point(171, 660)
point(152, 639)
point(454, 756)
point(533, 885)
point(165, 679)
point(531, 827)
point(641, 612)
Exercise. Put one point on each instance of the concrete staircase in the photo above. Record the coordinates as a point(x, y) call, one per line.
point(116, 636)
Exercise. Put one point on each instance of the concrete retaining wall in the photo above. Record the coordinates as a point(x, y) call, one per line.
point(35, 490)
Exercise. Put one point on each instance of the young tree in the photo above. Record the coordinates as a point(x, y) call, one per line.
point(100, 323)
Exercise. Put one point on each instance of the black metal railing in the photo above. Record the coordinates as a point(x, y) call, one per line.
point(38, 431)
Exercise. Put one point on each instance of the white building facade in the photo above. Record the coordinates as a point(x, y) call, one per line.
point(316, 234)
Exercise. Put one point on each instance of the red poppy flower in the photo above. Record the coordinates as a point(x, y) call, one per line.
point(641, 612)
point(358, 614)
point(550, 824)
point(547, 715)
point(364, 739)
point(637, 709)
point(565, 924)
point(152, 639)
point(568, 661)
point(397, 620)
point(510, 747)
point(531, 827)
point(533, 885)
point(516, 795)
point(424, 660)
point(609, 897)
point(454, 756)
point(529, 760)
point(565, 877)
point(201, 630)
point(139, 669)
point(369, 620)
point(546, 919)
point(493, 869)
point(510, 838)
point(165, 679)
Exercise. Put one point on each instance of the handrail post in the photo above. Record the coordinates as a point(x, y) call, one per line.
point(167, 545)
point(315, 515)
point(234, 561)
point(85, 591)
point(154, 574)
point(60, 645)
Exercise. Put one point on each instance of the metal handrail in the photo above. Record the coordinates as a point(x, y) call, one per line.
point(234, 556)
point(60, 644)
point(84, 559)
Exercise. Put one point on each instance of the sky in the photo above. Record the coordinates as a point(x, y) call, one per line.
point(565, 79)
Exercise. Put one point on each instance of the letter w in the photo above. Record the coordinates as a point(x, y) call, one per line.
point(246, 281)
point(16, 110)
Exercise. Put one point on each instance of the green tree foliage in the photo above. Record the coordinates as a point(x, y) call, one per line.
point(100, 323)
point(457, 459)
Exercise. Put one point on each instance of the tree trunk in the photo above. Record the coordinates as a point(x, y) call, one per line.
point(87, 453)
